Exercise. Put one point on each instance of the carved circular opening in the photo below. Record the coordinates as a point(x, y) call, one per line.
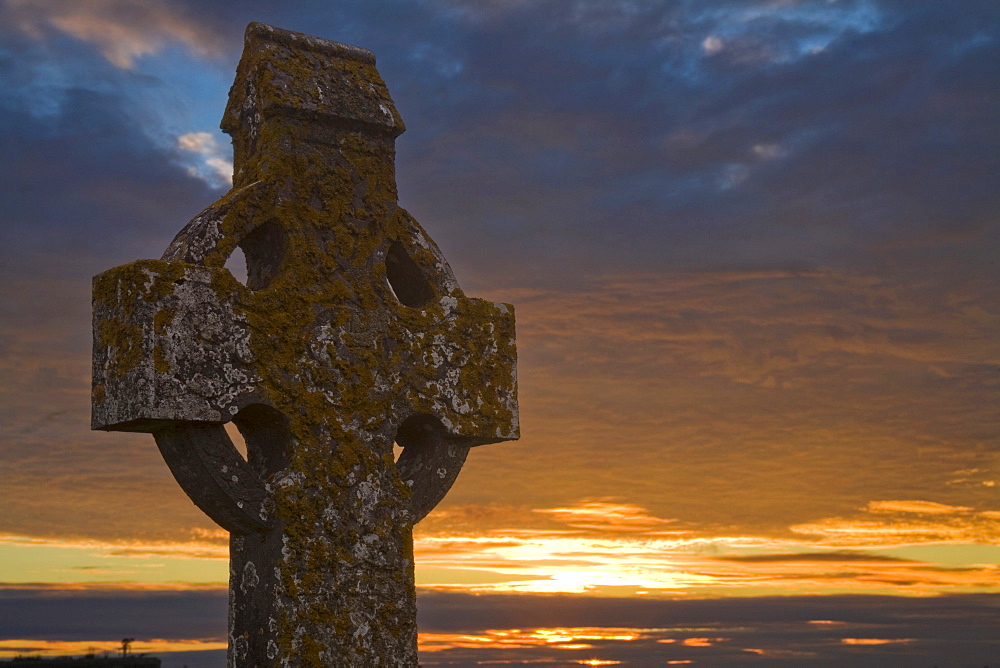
point(429, 462)
point(257, 259)
point(266, 436)
point(418, 428)
point(236, 437)
point(405, 278)
point(237, 265)
point(416, 433)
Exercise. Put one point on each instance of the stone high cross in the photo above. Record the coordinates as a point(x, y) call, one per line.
point(350, 334)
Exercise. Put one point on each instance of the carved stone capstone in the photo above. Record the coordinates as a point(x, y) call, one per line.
point(351, 334)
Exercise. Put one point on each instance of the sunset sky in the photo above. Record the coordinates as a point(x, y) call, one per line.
point(752, 246)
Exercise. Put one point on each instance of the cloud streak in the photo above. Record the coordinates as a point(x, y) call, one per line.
point(751, 245)
point(616, 556)
point(459, 628)
point(122, 30)
point(217, 169)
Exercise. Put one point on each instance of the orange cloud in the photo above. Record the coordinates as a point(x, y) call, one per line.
point(920, 507)
point(606, 547)
point(720, 403)
point(906, 522)
point(702, 642)
point(41, 648)
point(622, 550)
point(199, 548)
point(122, 30)
point(114, 586)
point(556, 638)
point(605, 515)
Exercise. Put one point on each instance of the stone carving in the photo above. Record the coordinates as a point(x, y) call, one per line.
point(350, 334)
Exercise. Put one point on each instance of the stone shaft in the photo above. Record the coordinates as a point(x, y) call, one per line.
point(351, 334)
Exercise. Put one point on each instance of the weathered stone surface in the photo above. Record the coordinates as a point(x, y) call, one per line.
point(350, 334)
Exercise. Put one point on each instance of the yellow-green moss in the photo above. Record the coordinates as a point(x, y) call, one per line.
point(118, 296)
point(124, 342)
point(162, 319)
point(160, 361)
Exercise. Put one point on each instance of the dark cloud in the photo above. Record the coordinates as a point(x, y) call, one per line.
point(611, 146)
point(829, 630)
point(944, 630)
point(545, 136)
point(84, 177)
point(752, 246)
point(53, 614)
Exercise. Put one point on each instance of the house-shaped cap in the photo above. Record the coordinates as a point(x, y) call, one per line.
point(288, 73)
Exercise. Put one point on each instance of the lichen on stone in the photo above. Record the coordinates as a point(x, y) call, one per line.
point(319, 359)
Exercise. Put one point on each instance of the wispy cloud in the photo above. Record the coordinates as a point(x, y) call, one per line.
point(728, 399)
point(128, 564)
point(915, 507)
point(606, 515)
point(123, 30)
point(216, 166)
point(906, 522)
point(625, 556)
point(875, 641)
point(627, 552)
point(749, 244)
point(205, 545)
point(558, 638)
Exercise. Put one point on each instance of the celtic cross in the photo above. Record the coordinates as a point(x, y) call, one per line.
point(350, 334)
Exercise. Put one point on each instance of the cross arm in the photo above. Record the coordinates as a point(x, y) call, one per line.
point(171, 344)
point(465, 373)
point(172, 357)
point(464, 389)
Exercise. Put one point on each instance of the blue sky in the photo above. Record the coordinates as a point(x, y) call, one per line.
point(752, 245)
